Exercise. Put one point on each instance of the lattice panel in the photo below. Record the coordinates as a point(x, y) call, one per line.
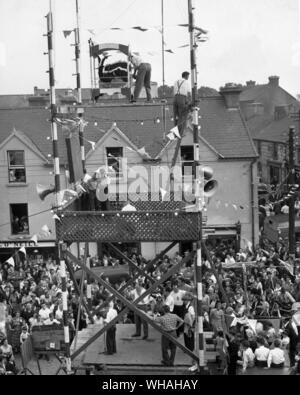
point(128, 226)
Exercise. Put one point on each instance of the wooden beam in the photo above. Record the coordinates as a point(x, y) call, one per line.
point(130, 262)
point(215, 272)
point(77, 290)
point(131, 306)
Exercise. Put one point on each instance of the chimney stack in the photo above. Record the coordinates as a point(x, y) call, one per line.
point(250, 83)
point(231, 93)
point(274, 81)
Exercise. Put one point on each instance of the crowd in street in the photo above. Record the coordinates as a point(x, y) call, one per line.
point(243, 292)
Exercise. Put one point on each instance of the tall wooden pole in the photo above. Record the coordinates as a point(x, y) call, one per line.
point(50, 35)
point(198, 184)
point(292, 182)
point(78, 82)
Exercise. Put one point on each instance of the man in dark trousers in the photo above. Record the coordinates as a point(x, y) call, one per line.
point(111, 333)
point(169, 323)
point(142, 74)
point(182, 100)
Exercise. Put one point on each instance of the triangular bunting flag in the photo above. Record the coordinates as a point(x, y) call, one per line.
point(46, 229)
point(163, 193)
point(115, 28)
point(169, 50)
point(55, 216)
point(93, 144)
point(171, 136)
point(91, 31)
point(142, 151)
point(175, 130)
point(235, 207)
point(23, 250)
point(34, 239)
point(86, 178)
point(142, 29)
point(11, 261)
point(67, 33)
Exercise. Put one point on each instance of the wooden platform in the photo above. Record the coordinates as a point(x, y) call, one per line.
point(131, 352)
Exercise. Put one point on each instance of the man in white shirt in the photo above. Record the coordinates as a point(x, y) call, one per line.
point(44, 312)
point(261, 354)
point(111, 332)
point(276, 356)
point(169, 300)
point(177, 295)
point(142, 305)
point(182, 95)
point(142, 73)
point(285, 209)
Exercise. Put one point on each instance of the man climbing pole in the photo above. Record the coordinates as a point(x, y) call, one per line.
point(182, 100)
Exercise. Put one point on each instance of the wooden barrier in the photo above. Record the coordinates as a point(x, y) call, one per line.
point(49, 338)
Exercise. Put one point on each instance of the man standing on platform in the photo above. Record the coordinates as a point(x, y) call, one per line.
point(169, 323)
point(142, 74)
point(111, 332)
point(182, 100)
point(142, 305)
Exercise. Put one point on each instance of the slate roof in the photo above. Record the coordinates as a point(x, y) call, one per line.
point(224, 129)
point(276, 131)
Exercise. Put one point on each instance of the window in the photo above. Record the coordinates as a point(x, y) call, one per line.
point(19, 219)
point(114, 156)
point(187, 160)
point(275, 151)
point(16, 166)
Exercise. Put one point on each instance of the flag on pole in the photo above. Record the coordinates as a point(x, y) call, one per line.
point(11, 261)
point(23, 250)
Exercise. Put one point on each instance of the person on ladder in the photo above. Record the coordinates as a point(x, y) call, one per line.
point(182, 100)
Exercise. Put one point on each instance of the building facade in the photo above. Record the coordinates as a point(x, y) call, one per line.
point(137, 135)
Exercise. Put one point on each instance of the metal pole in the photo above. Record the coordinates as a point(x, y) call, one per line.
point(50, 34)
point(292, 182)
point(198, 181)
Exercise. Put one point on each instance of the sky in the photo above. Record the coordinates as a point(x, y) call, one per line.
point(248, 40)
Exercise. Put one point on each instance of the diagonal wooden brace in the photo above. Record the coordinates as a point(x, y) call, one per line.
point(142, 272)
point(131, 306)
point(134, 278)
point(72, 275)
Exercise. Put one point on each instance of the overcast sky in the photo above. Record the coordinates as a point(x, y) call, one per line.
point(248, 39)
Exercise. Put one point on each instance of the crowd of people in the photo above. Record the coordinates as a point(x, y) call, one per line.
point(242, 293)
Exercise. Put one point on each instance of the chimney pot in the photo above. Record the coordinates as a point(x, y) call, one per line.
point(231, 93)
point(274, 80)
point(251, 83)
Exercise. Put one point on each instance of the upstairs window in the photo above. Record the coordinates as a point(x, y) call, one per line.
point(114, 157)
point(187, 160)
point(16, 166)
point(19, 219)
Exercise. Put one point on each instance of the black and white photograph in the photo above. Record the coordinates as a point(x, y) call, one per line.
point(149, 190)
